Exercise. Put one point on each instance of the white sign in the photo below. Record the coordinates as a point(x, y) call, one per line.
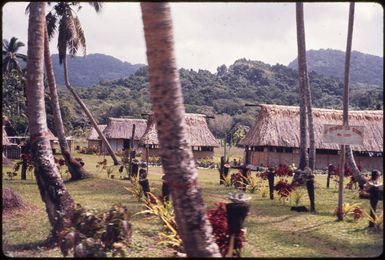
point(338, 134)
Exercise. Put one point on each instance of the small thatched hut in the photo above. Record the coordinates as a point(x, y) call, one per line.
point(94, 139)
point(10, 150)
point(119, 131)
point(275, 137)
point(199, 137)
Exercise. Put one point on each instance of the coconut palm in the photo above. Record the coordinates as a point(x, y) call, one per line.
point(302, 76)
point(11, 57)
point(53, 192)
point(340, 214)
point(71, 37)
point(305, 100)
point(176, 154)
point(74, 167)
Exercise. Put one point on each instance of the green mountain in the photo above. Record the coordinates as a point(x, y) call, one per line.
point(89, 70)
point(221, 93)
point(364, 69)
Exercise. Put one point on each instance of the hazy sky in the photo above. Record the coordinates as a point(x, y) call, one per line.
point(208, 35)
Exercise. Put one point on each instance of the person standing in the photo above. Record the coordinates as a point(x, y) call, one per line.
point(270, 178)
point(374, 186)
point(165, 189)
point(143, 181)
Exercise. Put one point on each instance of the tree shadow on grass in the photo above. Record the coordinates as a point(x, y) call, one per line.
point(47, 243)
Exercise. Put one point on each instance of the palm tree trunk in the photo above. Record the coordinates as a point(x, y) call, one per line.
point(74, 167)
point(88, 113)
point(177, 159)
point(53, 192)
point(303, 159)
point(349, 153)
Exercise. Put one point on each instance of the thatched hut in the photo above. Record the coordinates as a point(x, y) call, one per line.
point(199, 137)
point(275, 137)
point(10, 150)
point(119, 132)
point(94, 139)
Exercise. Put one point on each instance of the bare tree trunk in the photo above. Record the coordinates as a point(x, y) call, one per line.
point(340, 213)
point(349, 153)
point(177, 159)
point(54, 194)
point(74, 167)
point(303, 159)
point(88, 113)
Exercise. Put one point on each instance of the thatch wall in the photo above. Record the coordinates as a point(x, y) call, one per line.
point(121, 128)
point(198, 133)
point(279, 126)
point(94, 134)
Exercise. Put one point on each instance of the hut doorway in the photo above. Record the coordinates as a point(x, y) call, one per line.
point(126, 143)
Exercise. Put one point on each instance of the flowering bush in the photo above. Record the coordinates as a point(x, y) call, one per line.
point(284, 188)
point(283, 170)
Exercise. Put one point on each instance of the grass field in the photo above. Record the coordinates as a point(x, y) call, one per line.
point(272, 229)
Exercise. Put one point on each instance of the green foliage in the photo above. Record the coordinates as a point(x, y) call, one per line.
point(165, 212)
point(378, 219)
point(93, 234)
point(135, 188)
point(296, 195)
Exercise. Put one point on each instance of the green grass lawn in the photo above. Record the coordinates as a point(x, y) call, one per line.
point(272, 229)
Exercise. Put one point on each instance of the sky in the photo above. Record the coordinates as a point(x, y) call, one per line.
point(208, 35)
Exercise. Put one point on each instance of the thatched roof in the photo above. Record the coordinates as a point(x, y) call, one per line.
point(279, 126)
point(94, 135)
point(198, 133)
point(121, 128)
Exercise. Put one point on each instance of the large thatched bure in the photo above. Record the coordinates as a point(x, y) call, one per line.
point(94, 139)
point(274, 138)
point(199, 137)
point(119, 132)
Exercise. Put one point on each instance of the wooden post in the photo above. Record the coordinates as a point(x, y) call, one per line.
point(340, 213)
point(129, 149)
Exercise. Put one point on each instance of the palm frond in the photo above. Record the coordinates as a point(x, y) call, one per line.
point(18, 45)
point(5, 45)
point(27, 8)
point(97, 6)
point(62, 41)
point(51, 21)
point(80, 34)
point(21, 56)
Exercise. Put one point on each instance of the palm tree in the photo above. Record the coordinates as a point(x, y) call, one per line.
point(74, 167)
point(305, 103)
point(53, 192)
point(302, 77)
point(176, 154)
point(11, 57)
point(71, 37)
point(340, 214)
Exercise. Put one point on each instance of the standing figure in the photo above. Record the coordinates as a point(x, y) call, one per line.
point(165, 189)
point(374, 186)
point(270, 178)
point(143, 181)
point(309, 180)
point(330, 172)
point(236, 212)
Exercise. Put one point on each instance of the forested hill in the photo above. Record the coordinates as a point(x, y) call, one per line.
point(364, 69)
point(89, 70)
point(221, 93)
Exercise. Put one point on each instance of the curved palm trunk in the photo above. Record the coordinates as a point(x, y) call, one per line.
point(303, 159)
point(88, 113)
point(52, 190)
point(168, 109)
point(74, 167)
point(351, 163)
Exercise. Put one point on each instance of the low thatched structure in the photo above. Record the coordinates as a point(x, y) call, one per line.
point(10, 150)
point(199, 137)
point(275, 137)
point(94, 139)
point(119, 132)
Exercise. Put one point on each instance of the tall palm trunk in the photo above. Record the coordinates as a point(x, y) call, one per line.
point(168, 109)
point(54, 194)
point(75, 168)
point(303, 157)
point(349, 152)
point(340, 215)
point(87, 112)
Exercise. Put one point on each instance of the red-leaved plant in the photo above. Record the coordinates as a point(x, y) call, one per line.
point(218, 220)
point(284, 188)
